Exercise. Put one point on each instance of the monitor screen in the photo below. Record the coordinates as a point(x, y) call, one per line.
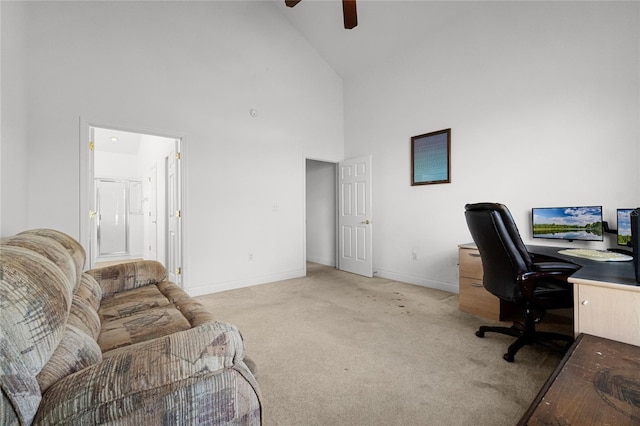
point(568, 223)
point(624, 227)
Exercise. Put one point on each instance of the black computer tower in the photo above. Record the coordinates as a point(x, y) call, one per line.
point(635, 242)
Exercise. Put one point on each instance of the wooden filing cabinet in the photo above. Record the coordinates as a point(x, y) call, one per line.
point(473, 297)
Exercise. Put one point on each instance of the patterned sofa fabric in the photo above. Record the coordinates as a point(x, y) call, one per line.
point(116, 345)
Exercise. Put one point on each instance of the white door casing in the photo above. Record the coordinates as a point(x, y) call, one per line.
point(88, 208)
point(174, 216)
point(88, 221)
point(355, 216)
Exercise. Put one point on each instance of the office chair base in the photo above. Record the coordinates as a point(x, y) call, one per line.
point(528, 337)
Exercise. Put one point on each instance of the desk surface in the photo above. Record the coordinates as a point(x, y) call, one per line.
point(597, 382)
point(591, 270)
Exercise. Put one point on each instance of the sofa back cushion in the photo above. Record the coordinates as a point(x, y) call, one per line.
point(76, 351)
point(73, 247)
point(35, 298)
point(49, 248)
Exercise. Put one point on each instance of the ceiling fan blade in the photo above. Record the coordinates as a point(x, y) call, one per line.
point(350, 14)
point(291, 3)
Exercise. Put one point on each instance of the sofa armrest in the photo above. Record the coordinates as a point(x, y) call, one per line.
point(129, 275)
point(195, 376)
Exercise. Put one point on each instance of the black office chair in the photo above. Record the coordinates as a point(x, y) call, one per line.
point(511, 274)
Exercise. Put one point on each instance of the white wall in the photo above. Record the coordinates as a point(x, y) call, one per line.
point(542, 99)
point(13, 123)
point(191, 70)
point(321, 212)
point(115, 165)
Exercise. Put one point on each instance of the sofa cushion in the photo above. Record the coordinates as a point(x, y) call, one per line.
point(74, 248)
point(193, 310)
point(35, 297)
point(83, 316)
point(127, 276)
point(146, 325)
point(76, 351)
point(90, 290)
point(126, 303)
point(51, 249)
point(193, 377)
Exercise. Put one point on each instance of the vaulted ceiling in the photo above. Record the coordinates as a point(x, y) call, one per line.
point(384, 27)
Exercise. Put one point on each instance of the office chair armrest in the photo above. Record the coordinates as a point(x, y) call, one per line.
point(564, 267)
point(528, 281)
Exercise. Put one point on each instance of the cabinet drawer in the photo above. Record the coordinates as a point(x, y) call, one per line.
point(470, 263)
point(475, 299)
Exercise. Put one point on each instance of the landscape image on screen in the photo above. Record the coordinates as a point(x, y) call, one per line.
point(568, 223)
point(624, 227)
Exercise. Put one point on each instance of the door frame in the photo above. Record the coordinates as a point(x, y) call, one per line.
point(87, 195)
point(304, 209)
point(337, 212)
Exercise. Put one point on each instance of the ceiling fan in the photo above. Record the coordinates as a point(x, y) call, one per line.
point(348, 11)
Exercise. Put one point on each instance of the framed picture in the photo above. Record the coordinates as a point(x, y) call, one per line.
point(431, 158)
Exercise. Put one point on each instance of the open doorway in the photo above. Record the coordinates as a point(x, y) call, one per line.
point(136, 199)
point(321, 212)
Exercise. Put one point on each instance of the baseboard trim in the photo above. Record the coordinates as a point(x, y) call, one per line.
point(439, 285)
point(248, 282)
point(321, 260)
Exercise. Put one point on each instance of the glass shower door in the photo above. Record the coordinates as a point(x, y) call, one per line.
point(112, 217)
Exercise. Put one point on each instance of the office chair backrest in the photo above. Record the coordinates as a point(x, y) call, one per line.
point(504, 255)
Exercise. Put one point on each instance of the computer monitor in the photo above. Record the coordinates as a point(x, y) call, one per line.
point(568, 223)
point(624, 227)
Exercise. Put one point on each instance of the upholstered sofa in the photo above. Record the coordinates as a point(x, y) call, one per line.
point(115, 345)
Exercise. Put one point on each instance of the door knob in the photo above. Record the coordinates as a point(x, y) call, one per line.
point(365, 222)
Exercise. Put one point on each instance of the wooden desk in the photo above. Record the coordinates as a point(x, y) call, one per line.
point(606, 297)
point(597, 383)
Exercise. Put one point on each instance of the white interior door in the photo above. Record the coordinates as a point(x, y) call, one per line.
point(354, 216)
point(174, 216)
point(151, 214)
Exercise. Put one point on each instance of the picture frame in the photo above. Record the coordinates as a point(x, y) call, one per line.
point(431, 158)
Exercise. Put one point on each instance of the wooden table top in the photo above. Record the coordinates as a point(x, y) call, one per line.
point(596, 383)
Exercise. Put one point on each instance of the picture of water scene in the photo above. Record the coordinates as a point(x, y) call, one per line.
point(568, 223)
point(624, 227)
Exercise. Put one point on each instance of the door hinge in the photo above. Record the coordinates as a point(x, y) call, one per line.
point(178, 156)
point(178, 213)
point(91, 146)
point(179, 270)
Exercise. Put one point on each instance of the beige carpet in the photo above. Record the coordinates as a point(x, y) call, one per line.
point(338, 349)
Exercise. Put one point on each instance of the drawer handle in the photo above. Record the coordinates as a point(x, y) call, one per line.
point(474, 254)
point(477, 285)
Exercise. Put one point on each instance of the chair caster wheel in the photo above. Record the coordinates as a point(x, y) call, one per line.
point(508, 358)
point(480, 333)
